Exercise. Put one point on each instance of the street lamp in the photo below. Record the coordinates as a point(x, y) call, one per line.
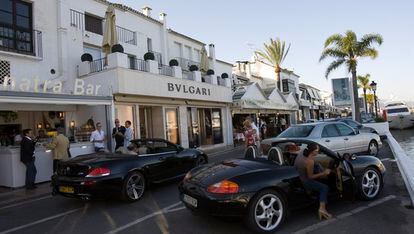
point(374, 88)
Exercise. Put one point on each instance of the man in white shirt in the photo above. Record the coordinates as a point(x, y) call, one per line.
point(257, 138)
point(98, 138)
point(129, 133)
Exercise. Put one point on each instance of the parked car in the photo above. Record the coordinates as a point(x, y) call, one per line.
point(336, 136)
point(263, 190)
point(356, 125)
point(126, 175)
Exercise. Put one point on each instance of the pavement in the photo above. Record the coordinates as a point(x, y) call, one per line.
point(160, 211)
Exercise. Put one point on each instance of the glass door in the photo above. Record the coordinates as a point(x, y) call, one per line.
point(171, 124)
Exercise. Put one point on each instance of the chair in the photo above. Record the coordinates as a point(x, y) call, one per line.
point(275, 155)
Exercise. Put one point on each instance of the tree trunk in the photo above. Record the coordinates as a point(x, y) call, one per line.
point(365, 101)
point(278, 80)
point(355, 91)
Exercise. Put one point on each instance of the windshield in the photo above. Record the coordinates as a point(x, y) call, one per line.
point(397, 110)
point(297, 131)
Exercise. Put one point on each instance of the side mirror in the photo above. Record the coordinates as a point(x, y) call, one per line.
point(356, 131)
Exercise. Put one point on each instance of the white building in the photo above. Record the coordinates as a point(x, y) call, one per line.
point(44, 82)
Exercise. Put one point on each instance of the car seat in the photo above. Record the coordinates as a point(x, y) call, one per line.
point(142, 150)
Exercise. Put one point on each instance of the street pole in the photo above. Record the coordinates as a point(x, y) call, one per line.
point(376, 106)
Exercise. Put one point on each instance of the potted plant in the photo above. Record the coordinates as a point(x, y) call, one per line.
point(173, 63)
point(210, 72)
point(149, 56)
point(86, 57)
point(117, 48)
point(224, 75)
point(193, 68)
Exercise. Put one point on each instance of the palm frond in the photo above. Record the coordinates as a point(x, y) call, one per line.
point(369, 52)
point(275, 52)
point(333, 52)
point(335, 39)
point(368, 39)
point(333, 66)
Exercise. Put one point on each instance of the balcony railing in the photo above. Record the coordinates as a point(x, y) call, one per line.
point(98, 65)
point(158, 57)
point(165, 70)
point(138, 64)
point(186, 63)
point(77, 20)
point(28, 42)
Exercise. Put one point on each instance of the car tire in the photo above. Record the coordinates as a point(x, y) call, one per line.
point(370, 184)
point(133, 187)
point(373, 148)
point(200, 160)
point(266, 206)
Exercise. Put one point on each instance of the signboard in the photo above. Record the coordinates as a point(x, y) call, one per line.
point(341, 92)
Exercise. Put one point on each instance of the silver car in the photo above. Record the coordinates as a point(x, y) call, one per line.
point(337, 136)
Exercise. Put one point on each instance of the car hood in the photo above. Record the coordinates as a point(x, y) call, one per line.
point(214, 173)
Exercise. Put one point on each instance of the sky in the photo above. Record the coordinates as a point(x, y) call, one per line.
point(238, 27)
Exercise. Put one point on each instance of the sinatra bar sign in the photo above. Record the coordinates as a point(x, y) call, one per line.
point(48, 86)
point(180, 88)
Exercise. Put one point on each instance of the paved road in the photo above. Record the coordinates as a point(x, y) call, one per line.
point(160, 211)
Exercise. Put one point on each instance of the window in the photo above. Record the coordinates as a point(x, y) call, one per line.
point(344, 130)
point(197, 55)
point(397, 110)
point(96, 52)
point(288, 85)
point(204, 126)
point(330, 131)
point(16, 32)
point(93, 24)
point(149, 44)
point(297, 131)
point(4, 71)
point(352, 124)
point(131, 60)
point(172, 127)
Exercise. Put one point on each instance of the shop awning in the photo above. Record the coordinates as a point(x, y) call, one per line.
point(9, 97)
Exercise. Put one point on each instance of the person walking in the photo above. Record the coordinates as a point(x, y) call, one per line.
point(27, 148)
point(283, 123)
point(118, 133)
point(305, 165)
point(129, 133)
point(98, 138)
point(60, 146)
point(249, 134)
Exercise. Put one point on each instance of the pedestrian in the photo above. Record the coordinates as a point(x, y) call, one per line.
point(305, 165)
point(27, 148)
point(257, 136)
point(118, 133)
point(60, 146)
point(98, 138)
point(283, 123)
point(129, 133)
point(249, 134)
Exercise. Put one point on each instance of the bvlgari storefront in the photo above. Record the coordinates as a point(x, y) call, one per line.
point(44, 110)
point(190, 113)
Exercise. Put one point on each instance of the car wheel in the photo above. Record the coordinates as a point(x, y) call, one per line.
point(266, 212)
point(200, 161)
point(373, 148)
point(370, 184)
point(134, 187)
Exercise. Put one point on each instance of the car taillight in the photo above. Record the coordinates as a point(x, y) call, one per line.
point(187, 176)
point(223, 187)
point(98, 171)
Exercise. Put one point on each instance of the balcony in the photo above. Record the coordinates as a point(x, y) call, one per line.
point(95, 25)
point(25, 42)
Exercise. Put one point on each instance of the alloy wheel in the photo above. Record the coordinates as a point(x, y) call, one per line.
point(371, 183)
point(135, 187)
point(268, 212)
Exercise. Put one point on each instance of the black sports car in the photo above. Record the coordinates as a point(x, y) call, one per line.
point(152, 161)
point(263, 189)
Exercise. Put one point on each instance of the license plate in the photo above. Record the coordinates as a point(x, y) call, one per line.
point(66, 189)
point(190, 200)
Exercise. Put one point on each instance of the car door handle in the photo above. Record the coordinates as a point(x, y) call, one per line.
point(327, 140)
point(346, 139)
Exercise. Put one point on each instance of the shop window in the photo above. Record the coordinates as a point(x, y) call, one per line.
point(204, 126)
point(4, 71)
point(93, 24)
point(172, 126)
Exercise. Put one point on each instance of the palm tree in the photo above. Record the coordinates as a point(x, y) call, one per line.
point(363, 83)
point(347, 50)
point(275, 53)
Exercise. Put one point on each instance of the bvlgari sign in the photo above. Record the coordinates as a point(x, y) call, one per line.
point(191, 89)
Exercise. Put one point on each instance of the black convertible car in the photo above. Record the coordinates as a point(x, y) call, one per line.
point(263, 189)
point(127, 175)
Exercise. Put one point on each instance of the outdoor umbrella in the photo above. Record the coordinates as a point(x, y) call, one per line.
point(109, 37)
point(204, 61)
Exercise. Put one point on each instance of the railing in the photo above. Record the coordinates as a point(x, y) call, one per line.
point(98, 65)
point(19, 41)
point(77, 19)
point(126, 36)
point(165, 70)
point(158, 57)
point(186, 63)
point(138, 64)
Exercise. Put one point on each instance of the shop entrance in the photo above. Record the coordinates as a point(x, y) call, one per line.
point(204, 126)
point(151, 122)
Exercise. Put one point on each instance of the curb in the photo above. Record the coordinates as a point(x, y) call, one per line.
point(405, 164)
